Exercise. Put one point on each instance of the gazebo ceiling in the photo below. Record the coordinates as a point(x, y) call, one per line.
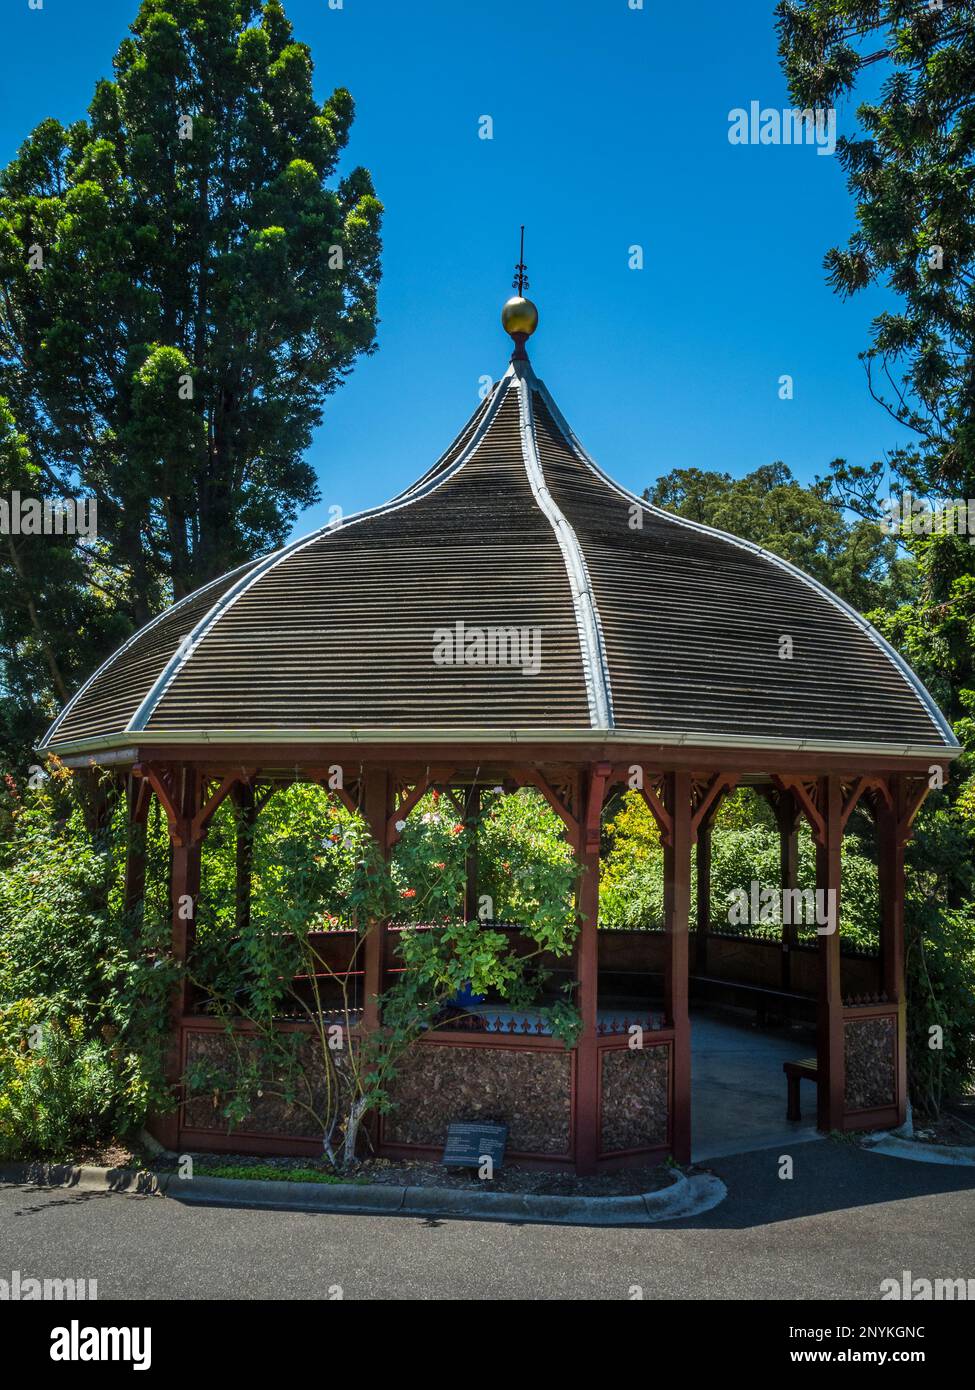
point(644, 627)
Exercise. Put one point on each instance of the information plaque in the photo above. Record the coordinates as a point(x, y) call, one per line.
point(469, 1142)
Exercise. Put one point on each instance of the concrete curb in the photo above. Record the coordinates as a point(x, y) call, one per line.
point(894, 1146)
point(684, 1197)
point(85, 1178)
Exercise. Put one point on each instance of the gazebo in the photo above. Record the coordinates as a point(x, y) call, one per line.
point(516, 617)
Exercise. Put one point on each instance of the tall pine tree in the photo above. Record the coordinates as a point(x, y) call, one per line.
point(185, 279)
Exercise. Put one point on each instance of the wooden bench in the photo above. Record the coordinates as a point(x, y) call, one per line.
point(794, 1073)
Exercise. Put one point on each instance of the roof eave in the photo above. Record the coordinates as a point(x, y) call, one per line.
point(666, 738)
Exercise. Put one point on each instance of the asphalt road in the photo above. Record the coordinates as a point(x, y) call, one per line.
point(845, 1221)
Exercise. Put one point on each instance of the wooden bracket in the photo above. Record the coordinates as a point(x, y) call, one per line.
point(345, 796)
point(599, 777)
point(185, 829)
point(650, 789)
point(163, 783)
point(532, 777)
point(913, 799)
point(433, 777)
point(805, 792)
point(711, 796)
point(140, 799)
point(209, 808)
point(662, 814)
point(785, 807)
point(863, 785)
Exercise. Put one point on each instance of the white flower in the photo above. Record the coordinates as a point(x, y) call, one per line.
point(401, 825)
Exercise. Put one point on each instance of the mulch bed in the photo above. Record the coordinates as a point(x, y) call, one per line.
point(627, 1182)
point(951, 1128)
point(115, 1155)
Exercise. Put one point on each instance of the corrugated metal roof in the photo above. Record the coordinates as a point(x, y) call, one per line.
point(662, 626)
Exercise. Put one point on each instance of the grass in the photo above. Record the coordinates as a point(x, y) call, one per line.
point(266, 1172)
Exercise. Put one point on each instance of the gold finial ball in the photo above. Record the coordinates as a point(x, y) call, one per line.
point(519, 316)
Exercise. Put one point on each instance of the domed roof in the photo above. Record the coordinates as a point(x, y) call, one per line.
point(513, 592)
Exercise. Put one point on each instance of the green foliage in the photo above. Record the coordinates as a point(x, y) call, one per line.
point(315, 869)
point(631, 887)
point(65, 1089)
point(744, 850)
point(526, 867)
point(805, 525)
point(83, 1004)
point(909, 171)
point(266, 1172)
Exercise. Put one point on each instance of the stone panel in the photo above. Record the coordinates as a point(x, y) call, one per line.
point(528, 1091)
point(634, 1098)
point(270, 1116)
point(869, 1049)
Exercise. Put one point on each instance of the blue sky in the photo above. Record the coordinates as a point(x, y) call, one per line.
point(610, 129)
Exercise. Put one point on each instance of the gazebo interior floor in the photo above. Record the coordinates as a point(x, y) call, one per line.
point(738, 1088)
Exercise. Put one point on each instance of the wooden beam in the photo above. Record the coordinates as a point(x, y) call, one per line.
point(891, 845)
point(788, 822)
point(677, 902)
point(598, 778)
point(587, 971)
point(375, 807)
point(201, 821)
point(660, 811)
point(720, 785)
point(703, 900)
point(495, 757)
point(800, 788)
point(913, 793)
point(185, 895)
point(246, 805)
point(472, 814)
point(138, 795)
point(830, 1037)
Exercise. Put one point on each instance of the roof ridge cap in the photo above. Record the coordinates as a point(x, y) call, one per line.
point(593, 651)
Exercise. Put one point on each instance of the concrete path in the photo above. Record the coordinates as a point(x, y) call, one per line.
point(738, 1087)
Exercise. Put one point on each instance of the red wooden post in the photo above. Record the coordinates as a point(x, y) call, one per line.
point(677, 903)
point(831, 1087)
point(137, 796)
point(184, 896)
point(375, 806)
point(891, 844)
point(586, 846)
point(246, 821)
point(786, 813)
point(472, 818)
